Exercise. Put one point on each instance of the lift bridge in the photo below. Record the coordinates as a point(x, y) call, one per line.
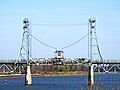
point(94, 60)
point(16, 66)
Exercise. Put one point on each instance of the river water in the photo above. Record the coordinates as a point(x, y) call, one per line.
point(78, 82)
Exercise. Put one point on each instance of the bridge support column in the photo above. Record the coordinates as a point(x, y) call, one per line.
point(28, 77)
point(90, 75)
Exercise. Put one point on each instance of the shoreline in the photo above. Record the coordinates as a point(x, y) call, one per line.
point(54, 74)
point(40, 75)
point(47, 74)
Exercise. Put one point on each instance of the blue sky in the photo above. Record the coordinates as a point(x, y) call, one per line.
point(107, 13)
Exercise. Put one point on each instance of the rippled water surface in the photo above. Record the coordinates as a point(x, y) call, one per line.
point(102, 82)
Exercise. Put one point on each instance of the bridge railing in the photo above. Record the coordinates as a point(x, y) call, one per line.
point(66, 60)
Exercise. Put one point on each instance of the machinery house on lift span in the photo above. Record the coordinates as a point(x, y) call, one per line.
point(58, 57)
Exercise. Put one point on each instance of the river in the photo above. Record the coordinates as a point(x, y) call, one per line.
point(77, 82)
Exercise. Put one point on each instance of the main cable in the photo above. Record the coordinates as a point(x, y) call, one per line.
point(60, 24)
point(42, 42)
point(75, 42)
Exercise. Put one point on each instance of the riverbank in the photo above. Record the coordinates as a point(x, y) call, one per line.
point(71, 73)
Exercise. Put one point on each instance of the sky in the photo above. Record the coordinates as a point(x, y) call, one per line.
point(106, 12)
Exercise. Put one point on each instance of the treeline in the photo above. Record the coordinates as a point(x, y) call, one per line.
point(50, 69)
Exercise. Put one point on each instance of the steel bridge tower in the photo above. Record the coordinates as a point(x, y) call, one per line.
point(25, 50)
point(93, 48)
point(94, 53)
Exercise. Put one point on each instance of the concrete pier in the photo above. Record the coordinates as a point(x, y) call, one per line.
point(90, 75)
point(28, 77)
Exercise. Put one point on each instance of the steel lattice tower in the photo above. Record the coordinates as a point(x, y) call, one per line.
point(94, 52)
point(25, 50)
point(93, 49)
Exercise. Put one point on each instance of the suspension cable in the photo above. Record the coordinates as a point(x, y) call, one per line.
point(75, 42)
point(60, 24)
point(55, 47)
point(42, 42)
